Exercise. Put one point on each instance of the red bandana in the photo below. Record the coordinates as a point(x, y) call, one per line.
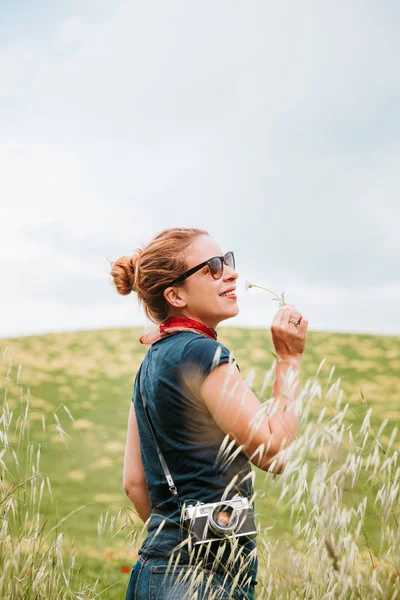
point(173, 325)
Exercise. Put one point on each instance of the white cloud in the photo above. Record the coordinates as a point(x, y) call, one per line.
point(273, 125)
point(73, 30)
point(46, 317)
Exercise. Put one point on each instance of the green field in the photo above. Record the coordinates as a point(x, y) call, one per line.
point(92, 373)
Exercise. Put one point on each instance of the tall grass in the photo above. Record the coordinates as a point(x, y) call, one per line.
point(34, 564)
point(341, 481)
point(341, 484)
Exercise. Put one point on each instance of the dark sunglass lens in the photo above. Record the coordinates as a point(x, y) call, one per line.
point(216, 267)
point(229, 260)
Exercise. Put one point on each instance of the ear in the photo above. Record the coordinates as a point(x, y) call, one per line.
point(174, 297)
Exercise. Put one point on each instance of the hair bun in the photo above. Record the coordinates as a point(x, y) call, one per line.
point(134, 267)
point(124, 272)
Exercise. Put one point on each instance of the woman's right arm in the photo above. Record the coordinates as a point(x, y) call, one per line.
point(134, 479)
point(239, 413)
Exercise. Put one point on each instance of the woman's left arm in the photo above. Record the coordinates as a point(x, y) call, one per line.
point(134, 478)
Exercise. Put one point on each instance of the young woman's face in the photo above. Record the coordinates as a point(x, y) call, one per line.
point(205, 297)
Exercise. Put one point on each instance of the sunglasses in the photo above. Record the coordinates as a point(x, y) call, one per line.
point(215, 264)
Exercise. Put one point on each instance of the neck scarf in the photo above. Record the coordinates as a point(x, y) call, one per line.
point(173, 325)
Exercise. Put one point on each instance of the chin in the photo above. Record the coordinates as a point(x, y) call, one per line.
point(232, 313)
point(236, 310)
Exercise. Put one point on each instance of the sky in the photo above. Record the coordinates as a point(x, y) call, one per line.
point(273, 125)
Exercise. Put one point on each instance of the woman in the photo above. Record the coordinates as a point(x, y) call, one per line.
point(195, 426)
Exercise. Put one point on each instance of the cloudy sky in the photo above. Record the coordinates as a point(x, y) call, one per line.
point(274, 125)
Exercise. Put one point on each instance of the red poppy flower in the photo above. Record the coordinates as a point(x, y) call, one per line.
point(125, 569)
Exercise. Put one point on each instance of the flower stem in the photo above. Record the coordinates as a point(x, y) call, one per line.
point(281, 301)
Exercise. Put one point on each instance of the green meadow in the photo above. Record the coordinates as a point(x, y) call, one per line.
point(79, 388)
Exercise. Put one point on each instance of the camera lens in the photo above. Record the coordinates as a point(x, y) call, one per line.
point(223, 519)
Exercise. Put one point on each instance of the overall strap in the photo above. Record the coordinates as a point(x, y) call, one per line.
point(171, 485)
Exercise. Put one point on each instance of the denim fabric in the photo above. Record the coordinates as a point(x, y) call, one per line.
point(152, 579)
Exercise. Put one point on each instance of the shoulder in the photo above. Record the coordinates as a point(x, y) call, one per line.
point(187, 348)
point(198, 345)
point(204, 354)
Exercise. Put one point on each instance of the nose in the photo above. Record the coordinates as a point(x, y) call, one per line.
point(229, 274)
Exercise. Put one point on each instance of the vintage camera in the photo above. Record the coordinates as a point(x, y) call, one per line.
point(218, 520)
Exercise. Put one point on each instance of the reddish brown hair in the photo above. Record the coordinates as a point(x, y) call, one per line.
point(149, 271)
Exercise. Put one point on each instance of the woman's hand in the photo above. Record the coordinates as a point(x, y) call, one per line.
point(289, 340)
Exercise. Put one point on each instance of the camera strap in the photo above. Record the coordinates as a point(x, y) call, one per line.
point(171, 485)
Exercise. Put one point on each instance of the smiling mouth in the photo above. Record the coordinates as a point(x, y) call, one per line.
point(227, 294)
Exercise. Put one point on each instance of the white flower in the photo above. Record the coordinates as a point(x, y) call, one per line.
point(280, 299)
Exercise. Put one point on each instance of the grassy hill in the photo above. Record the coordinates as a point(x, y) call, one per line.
point(92, 372)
